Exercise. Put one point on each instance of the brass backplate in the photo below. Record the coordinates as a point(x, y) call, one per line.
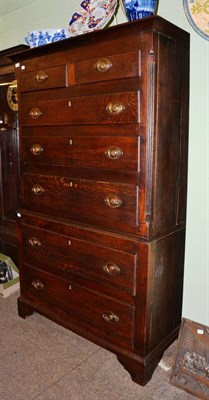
point(190, 371)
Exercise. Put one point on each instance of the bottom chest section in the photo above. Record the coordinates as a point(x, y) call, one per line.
point(85, 277)
point(119, 292)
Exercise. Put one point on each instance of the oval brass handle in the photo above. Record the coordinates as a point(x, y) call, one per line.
point(38, 285)
point(37, 190)
point(111, 269)
point(113, 201)
point(41, 76)
point(109, 316)
point(35, 113)
point(113, 153)
point(103, 65)
point(34, 242)
point(36, 149)
point(115, 108)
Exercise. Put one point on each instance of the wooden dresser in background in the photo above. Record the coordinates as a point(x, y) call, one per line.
point(103, 147)
point(9, 147)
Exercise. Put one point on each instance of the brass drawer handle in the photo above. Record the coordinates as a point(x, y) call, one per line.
point(34, 242)
point(41, 76)
point(115, 108)
point(67, 185)
point(110, 317)
point(35, 113)
point(38, 285)
point(113, 201)
point(36, 149)
point(111, 269)
point(103, 65)
point(38, 190)
point(113, 153)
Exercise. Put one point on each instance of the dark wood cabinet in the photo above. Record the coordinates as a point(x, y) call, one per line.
point(9, 149)
point(103, 148)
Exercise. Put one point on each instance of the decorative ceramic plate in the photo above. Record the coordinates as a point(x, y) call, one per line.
point(91, 15)
point(197, 12)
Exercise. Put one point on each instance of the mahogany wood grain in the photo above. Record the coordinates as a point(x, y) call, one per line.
point(83, 152)
point(67, 255)
point(83, 214)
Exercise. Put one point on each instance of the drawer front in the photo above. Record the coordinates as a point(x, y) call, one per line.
point(92, 202)
point(83, 152)
point(119, 66)
point(66, 255)
point(125, 65)
point(99, 315)
point(101, 109)
point(48, 78)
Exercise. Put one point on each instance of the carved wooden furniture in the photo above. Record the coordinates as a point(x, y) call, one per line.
point(103, 129)
point(191, 368)
point(9, 170)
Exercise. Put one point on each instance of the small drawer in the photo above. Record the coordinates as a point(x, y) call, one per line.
point(67, 255)
point(83, 152)
point(119, 66)
point(48, 78)
point(92, 202)
point(100, 109)
point(94, 313)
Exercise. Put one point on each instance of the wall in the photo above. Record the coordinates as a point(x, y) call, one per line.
point(196, 286)
point(33, 14)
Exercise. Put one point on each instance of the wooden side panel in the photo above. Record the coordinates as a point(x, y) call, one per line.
point(165, 287)
point(170, 136)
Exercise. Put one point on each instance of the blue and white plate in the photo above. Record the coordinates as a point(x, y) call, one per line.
point(41, 37)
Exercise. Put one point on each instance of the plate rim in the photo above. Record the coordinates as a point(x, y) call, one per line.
point(91, 29)
point(192, 22)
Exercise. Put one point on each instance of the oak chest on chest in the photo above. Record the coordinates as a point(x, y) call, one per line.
point(103, 147)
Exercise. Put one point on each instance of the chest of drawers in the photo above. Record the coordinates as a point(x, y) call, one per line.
point(103, 148)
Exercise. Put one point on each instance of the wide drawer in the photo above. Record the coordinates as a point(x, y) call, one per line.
point(108, 67)
point(96, 314)
point(92, 202)
point(100, 109)
point(124, 65)
point(65, 255)
point(83, 152)
point(48, 78)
